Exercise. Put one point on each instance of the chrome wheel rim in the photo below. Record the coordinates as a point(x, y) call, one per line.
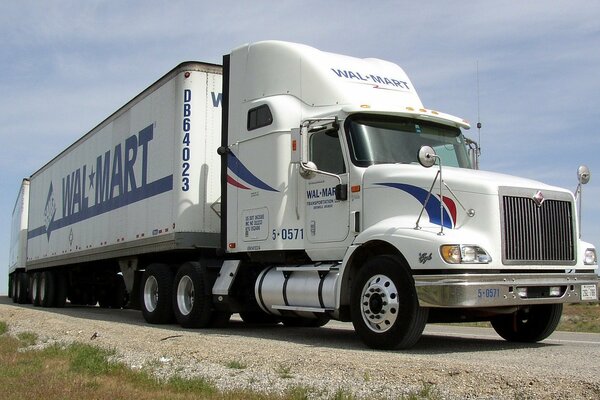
point(42, 285)
point(185, 295)
point(151, 293)
point(379, 303)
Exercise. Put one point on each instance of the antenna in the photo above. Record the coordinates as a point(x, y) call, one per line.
point(478, 115)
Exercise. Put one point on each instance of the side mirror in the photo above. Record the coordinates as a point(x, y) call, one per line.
point(308, 170)
point(583, 174)
point(426, 156)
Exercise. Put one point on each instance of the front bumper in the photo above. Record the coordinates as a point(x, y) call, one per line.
point(497, 290)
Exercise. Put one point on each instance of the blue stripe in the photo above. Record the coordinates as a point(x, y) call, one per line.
point(433, 205)
point(236, 166)
point(149, 190)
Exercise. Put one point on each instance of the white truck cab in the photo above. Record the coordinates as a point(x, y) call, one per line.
point(323, 159)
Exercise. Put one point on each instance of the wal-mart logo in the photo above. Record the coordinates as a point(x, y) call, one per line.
point(108, 183)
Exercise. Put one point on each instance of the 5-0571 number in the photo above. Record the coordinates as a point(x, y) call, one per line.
point(288, 234)
point(488, 293)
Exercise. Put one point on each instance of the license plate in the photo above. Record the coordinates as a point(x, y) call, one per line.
point(588, 292)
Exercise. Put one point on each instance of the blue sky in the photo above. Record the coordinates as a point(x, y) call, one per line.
point(66, 65)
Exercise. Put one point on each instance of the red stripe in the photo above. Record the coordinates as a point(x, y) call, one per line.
point(451, 209)
point(235, 183)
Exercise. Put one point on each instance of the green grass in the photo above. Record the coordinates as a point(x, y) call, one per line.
point(284, 371)
point(27, 338)
point(80, 371)
point(584, 317)
point(236, 365)
point(426, 392)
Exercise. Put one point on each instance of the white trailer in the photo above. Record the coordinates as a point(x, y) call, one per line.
point(18, 244)
point(293, 185)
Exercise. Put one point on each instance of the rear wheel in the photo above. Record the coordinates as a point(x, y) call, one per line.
point(22, 286)
point(531, 324)
point(47, 289)
point(156, 289)
point(384, 306)
point(11, 279)
point(192, 302)
point(35, 288)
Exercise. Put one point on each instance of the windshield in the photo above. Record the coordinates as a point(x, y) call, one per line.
point(385, 140)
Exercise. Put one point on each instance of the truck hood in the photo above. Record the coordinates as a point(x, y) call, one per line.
point(458, 179)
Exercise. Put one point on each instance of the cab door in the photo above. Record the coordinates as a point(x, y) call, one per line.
point(327, 217)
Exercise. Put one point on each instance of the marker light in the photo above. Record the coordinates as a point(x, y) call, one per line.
point(464, 254)
point(589, 257)
point(554, 291)
point(522, 292)
point(451, 254)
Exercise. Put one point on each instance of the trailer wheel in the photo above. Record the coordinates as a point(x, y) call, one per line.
point(156, 289)
point(22, 285)
point(192, 302)
point(35, 289)
point(10, 285)
point(384, 306)
point(46, 289)
point(531, 324)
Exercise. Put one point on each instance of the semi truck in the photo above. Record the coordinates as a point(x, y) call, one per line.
point(292, 185)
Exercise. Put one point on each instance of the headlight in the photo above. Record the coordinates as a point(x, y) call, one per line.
point(464, 254)
point(589, 258)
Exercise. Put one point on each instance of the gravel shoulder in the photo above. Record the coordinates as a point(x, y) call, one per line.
point(325, 360)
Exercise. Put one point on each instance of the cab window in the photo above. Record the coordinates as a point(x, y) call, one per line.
point(326, 152)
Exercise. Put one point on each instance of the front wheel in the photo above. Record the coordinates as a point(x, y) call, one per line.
point(384, 306)
point(531, 324)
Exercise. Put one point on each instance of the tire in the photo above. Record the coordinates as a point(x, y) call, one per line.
point(11, 279)
point(531, 324)
point(35, 289)
point(192, 302)
point(22, 287)
point(13, 284)
point(155, 294)
point(384, 306)
point(47, 289)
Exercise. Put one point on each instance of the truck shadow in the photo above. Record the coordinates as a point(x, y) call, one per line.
point(334, 335)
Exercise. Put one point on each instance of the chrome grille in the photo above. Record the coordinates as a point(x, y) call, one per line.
point(537, 234)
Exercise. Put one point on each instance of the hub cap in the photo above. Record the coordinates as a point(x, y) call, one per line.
point(151, 294)
point(185, 295)
point(379, 303)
